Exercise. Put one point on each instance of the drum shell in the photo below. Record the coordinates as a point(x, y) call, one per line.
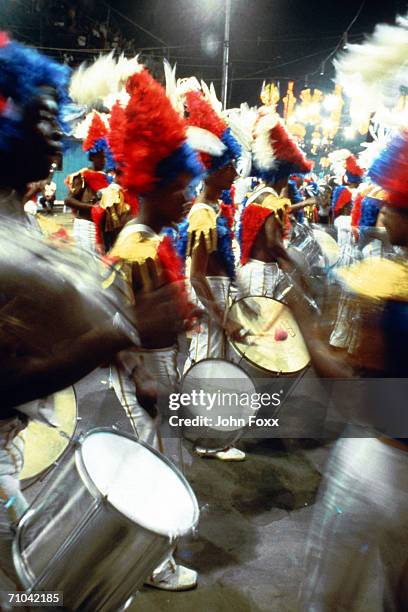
point(210, 437)
point(88, 550)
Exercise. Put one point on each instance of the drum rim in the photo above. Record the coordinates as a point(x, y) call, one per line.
point(239, 433)
point(326, 234)
point(26, 483)
point(94, 491)
point(252, 363)
point(236, 365)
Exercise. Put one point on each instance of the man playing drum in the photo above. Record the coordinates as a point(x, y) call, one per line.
point(205, 237)
point(264, 220)
point(156, 166)
point(53, 331)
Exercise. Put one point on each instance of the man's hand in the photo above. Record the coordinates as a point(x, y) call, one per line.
point(235, 331)
point(158, 312)
point(146, 388)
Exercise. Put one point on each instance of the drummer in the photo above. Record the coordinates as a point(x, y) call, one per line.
point(360, 527)
point(157, 168)
point(205, 237)
point(32, 98)
point(264, 221)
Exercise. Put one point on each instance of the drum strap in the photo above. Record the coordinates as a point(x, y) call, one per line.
point(133, 228)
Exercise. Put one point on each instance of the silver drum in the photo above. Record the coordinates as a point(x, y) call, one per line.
point(228, 383)
point(111, 515)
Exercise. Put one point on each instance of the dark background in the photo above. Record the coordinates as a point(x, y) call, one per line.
point(276, 40)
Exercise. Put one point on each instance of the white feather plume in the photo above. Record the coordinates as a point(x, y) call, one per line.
point(337, 161)
point(205, 141)
point(380, 138)
point(106, 76)
point(262, 149)
point(211, 96)
point(81, 129)
point(241, 121)
point(374, 71)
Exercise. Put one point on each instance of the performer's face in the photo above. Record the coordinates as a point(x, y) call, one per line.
point(396, 223)
point(224, 177)
point(42, 135)
point(171, 200)
point(98, 160)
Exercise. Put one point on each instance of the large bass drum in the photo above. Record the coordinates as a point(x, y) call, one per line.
point(227, 415)
point(114, 512)
point(274, 345)
point(45, 445)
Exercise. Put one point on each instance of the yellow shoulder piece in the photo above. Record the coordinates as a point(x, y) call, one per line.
point(202, 221)
point(71, 177)
point(136, 248)
point(110, 197)
point(377, 278)
point(275, 203)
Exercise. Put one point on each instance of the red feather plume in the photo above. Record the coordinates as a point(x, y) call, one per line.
point(353, 167)
point(97, 130)
point(252, 220)
point(173, 270)
point(153, 132)
point(4, 39)
point(344, 198)
point(286, 149)
point(98, 217)
point(201, 114)
point(95, 180)
point(356, 210)
point(116, 136)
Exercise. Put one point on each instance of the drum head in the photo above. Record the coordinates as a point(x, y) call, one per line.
point(139, 483)
point(44, 445)
point(275, 343)
point(226, 383)
point(329, 246)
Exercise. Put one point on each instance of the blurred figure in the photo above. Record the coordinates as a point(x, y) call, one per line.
point(357, 555)
point(57, 323)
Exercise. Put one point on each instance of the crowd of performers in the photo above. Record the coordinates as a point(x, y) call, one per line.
point(177, 189)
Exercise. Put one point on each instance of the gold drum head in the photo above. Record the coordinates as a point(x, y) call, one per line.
point(274, 343)
point(44, 445)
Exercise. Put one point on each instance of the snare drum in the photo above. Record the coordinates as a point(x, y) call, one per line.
point(44, 445)
point(227, 415)
point(274, 345)
point(114, 512)
point(329, 247)
point(304, 248)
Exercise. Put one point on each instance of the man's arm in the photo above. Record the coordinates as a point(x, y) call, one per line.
point(199, 263)
point(31, 377)
point(28, 378)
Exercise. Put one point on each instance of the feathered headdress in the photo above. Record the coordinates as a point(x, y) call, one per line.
point(344, 164)
point(373, 72)
point(200, 114)
point(22, 72)
point(254, 216)
point(241, 122)
point(390, 170)
point(94, 131)
point(341, 197)
point(196, 102)
point(354, 173)
point(275, 153)
point(149, 139)
point(154, 138)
